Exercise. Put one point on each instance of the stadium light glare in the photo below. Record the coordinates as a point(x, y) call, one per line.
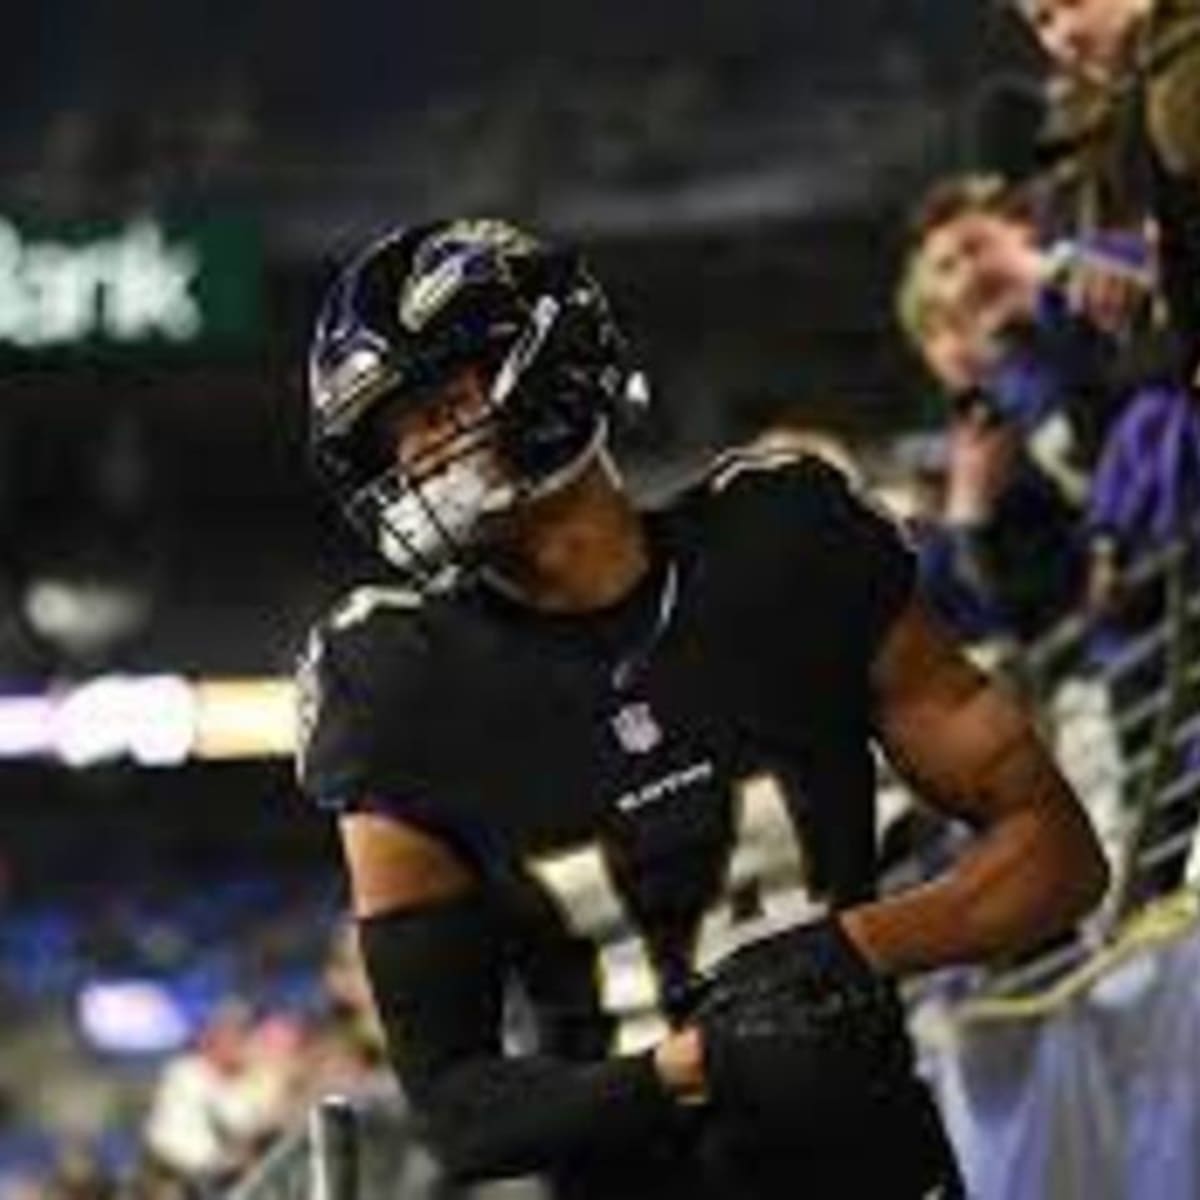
point(166, 730)
point(154, 721)
point(245, 718)
point(26, 726)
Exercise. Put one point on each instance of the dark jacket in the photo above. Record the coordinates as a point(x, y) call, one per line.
point(1132, 150)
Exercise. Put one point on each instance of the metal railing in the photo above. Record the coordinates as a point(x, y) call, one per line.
point(317, 1161)
point(1151, 734)
point(350, 1148)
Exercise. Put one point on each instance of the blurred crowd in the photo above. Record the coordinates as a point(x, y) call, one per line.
point(263, 1032)
point(1060, 317)
point(1055, 504)
point(253, 1075)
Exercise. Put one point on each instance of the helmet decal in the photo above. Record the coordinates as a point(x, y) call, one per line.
point(356, 374)
point(465, 252)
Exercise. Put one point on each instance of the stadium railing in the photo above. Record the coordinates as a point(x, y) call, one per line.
point(350, 1148)
point(1126, 723)
point(316, 1161)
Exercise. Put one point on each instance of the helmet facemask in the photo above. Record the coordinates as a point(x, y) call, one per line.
point(430, 513)
point(427, 516)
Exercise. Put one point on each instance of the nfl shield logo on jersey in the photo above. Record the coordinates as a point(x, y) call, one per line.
point(636, 729)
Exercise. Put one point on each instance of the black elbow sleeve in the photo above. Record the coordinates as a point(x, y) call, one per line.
point(506, 1117)
point(437, 975)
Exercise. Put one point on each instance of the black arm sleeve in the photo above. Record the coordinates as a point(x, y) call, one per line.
point(437, 976)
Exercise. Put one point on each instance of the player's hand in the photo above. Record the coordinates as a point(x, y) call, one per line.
point(801, 1034)
point(679, 1060)
point(859, 939)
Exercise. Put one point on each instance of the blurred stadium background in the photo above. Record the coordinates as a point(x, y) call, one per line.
point(175, 991)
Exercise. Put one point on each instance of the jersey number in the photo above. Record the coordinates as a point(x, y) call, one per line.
point(765, 889)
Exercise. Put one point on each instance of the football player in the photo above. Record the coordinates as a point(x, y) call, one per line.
point(619, 762)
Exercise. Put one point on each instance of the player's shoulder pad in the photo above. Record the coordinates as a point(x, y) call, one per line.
point(366, 629)
point(848, 555)
point(366, 605)
point(766, 468)
point(365, 624)
point(366, 638)
point(772, 477)
point(355, 624)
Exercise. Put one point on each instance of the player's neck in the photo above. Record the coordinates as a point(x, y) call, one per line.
point(580, 549)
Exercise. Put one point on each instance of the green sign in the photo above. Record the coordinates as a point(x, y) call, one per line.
point(130, 285)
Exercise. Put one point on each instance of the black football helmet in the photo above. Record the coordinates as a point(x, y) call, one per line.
point(412, 310)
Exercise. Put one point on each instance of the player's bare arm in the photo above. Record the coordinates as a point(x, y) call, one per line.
point(393, 865)
point(969, 749)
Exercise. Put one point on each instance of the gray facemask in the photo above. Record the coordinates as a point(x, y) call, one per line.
point(426, 524)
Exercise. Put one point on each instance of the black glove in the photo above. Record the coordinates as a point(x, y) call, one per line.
point(803, 1040)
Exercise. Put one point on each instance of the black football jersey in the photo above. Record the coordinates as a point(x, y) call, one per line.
point(643, 788)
